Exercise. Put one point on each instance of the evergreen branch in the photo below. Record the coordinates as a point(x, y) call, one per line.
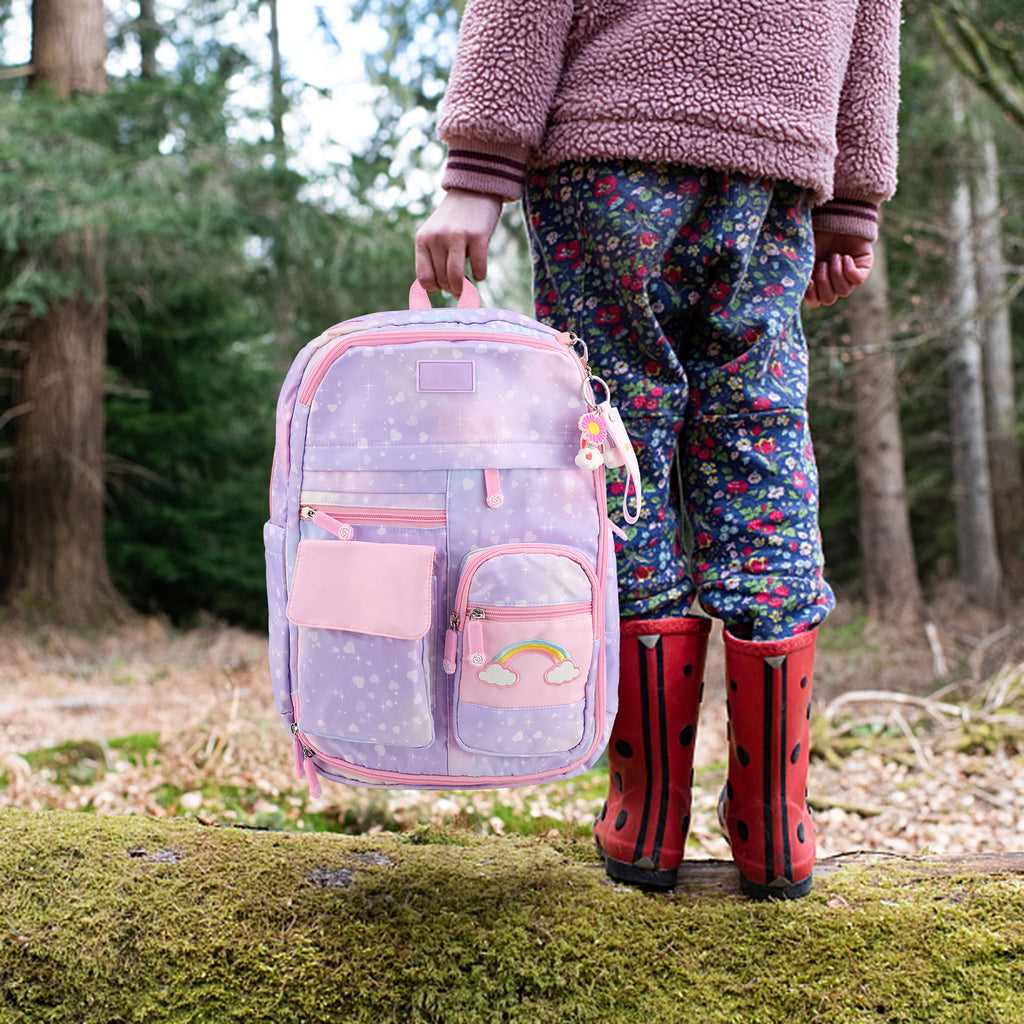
point(970, 49)
point(17, 71)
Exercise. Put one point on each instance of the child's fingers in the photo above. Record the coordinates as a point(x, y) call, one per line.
point(425, 273)
point(822, 283)
point(834, 278)
point(455, 268)
point(478, 257)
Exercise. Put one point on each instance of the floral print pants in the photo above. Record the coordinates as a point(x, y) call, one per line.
point(686, 287)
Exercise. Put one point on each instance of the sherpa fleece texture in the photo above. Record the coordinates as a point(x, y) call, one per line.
point(803, 90)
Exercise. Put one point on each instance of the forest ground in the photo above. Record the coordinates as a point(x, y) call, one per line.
point(918, 739)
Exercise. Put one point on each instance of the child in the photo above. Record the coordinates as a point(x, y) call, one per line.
point(693, 170)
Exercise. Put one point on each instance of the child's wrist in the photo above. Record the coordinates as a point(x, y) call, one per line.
point(841, 216)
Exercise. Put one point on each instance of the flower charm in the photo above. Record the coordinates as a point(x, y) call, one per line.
point(593, 429)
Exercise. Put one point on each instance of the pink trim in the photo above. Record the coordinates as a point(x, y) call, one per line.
point(397, 337)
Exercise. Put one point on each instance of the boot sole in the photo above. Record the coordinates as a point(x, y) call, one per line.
point(759, 891)
point(645, 878)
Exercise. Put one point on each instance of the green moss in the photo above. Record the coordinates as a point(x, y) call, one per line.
point(79, 762)
point(140, 748)
point(82, 762)
point(134, 920)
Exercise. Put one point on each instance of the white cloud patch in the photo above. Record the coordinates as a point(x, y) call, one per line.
point(497, 675)
point(563, 672)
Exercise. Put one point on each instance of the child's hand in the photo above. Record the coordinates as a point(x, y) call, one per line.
point(460, 228)
point(841, 263)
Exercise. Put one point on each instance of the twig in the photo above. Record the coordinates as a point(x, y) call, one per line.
point(933, 707)
point(914, 742)
point(938, 658)
point(976, 656)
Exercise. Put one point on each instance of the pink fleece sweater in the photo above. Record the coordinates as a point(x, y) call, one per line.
point(803, 90)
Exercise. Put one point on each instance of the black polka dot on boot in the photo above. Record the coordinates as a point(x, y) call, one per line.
point(686, 735)
point(795, 756)
point(620, 821)
point(742, 831)
point(623, 749)
point(800, 833)
point(617, 779)
point(742, 756)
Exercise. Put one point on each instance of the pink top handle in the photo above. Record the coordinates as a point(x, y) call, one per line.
point(469, 299)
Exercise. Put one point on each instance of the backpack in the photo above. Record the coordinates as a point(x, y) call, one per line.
point(440, 562)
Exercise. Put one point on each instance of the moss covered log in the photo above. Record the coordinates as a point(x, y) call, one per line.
point(120, 919)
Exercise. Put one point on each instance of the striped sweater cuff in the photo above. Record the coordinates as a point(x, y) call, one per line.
point(498, 170)
point(848, 217)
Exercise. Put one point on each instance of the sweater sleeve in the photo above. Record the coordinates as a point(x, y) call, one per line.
point(865, 168)
point(507, 66)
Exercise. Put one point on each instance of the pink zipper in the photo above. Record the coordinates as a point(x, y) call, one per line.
point(339, 519)
point(473, 626)
point(504, 613)
point(358, 772)
point(474, 563)
point(318, 373)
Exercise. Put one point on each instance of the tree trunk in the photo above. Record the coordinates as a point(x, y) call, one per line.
point(284, 319)
point(69, 46)
point(892, 590)
point(57, 563)
point(979, 569)
point(148, 30)
point(997, 354)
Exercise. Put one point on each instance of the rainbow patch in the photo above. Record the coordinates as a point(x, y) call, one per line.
point(500, 673)
point(556, 652)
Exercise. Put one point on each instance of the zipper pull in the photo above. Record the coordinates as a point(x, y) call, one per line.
point(297, 751)
point(492, 485)
point(304, 767)
point(311, 777)
point(451, 644)
point(343, 531)
point(473, 641)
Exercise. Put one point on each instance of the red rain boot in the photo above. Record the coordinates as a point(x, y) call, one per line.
point(763, 808)
point(642, 829)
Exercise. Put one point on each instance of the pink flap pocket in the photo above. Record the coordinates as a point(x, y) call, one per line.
point(379, 589)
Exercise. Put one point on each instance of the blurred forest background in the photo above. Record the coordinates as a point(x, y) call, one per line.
point(172, 231)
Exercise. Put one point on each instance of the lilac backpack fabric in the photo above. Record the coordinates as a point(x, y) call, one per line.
point(440, 562)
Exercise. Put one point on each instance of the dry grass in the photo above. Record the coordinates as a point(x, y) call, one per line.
point(908, 761)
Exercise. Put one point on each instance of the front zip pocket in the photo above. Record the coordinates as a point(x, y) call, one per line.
point(524, 622)
point(342, 520)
